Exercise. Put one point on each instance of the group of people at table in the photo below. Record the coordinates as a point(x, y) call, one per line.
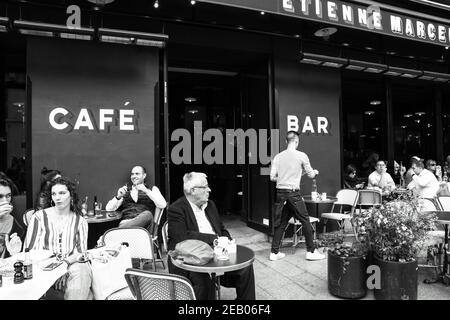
point(422, 178)
point(58, 225)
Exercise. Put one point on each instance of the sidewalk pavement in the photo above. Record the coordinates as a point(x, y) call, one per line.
point(295, 278)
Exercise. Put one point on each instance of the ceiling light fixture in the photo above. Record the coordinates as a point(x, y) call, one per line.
point(375, 102)
point(132, 37)
point(326, 61)
point(53, 30)
point(369, 113)
point(408, 115)
point(371, 67)
point(193, 111)
point(156, 4)
point(193, 2)
point(420, 113)
point(190, 99)
point(325, 32)
point(402, 72)
point(4, 23)
point(263, 13)
point(404, 127)
point(435, 76)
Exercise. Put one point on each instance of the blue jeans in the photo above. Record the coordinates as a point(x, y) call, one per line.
point(297, 209)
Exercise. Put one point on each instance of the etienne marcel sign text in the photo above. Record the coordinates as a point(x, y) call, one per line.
point(372, 18)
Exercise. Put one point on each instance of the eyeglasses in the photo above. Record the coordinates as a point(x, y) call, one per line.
point(432, 164)
point(203, 187)
point(7, 196)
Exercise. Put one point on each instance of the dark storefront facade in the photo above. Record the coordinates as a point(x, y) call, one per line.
point(94, 108)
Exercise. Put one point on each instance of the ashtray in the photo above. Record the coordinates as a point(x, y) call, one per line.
point(112, 214)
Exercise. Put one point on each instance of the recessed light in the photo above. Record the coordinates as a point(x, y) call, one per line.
point(421, 113)
point(345, 44)
point(369, 112)
point(193, 111)
point(417, 120)
point(263, 13)
point(429, 125)
point(296, 35)
point(376, 128)
point(368, 48)
point(408, 115)
point(403, 127)
point(192, 2)
point(375, 102)
point(325, 32)
point(391, 53)
point(362, 135)
point(190, 99)
point(240, 27)
point(446, 48)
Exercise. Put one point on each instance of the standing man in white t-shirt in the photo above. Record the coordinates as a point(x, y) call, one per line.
point(286, 170)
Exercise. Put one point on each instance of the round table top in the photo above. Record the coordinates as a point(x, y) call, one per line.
point(329, 199)
point(104, 216)
point(239, 260)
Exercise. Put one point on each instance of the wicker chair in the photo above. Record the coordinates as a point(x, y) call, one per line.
point(146, 285)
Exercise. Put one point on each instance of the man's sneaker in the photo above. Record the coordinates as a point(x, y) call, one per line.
point(276, 256)
point(316, 255)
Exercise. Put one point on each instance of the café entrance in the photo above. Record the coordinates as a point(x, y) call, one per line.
point(231, 92)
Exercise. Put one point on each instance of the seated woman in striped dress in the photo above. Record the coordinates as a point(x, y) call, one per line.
point(62, 229)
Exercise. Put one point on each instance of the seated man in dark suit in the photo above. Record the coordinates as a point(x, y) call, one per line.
point(195, 217)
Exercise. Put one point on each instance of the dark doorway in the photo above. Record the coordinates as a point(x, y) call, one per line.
point(211, 99)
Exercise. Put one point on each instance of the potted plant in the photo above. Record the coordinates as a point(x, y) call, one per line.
point(395, 232)
point(347, 266)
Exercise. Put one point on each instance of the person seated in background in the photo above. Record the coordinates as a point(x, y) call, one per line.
point(424, 182)
point(14, 189)
point(430, 165)
point(137, 201)
point(43, 197)
point(194, 216)
point(399, 173)
point(351, 181)
point(11, 233)
point(409, 173)
point(64, 231)
point(380, 179)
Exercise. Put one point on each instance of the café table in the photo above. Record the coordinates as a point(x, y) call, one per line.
point(34, 288)
point(316, 203)
point(99, 223)
point(242, 258)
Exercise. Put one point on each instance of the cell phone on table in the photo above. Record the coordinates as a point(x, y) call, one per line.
point(52, 265)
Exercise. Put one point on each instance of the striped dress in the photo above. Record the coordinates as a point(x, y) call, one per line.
point(42, 234)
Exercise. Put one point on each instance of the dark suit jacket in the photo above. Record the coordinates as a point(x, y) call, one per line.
point(183, 225)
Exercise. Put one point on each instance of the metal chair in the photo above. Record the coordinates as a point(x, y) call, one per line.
point(156, 222)
point(138, 239)
point(298, 228)
point(165, 236)
point(345, 197)
point(146, 285)
point(444, 202)
point(368, 198)
point(426, 204)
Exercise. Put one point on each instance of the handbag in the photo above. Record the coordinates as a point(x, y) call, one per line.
point(193, 252)
point(108, 270)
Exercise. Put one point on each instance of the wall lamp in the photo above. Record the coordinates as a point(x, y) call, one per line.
point(133, 37)
point(4, 24)
point(326, 61)
point(53, 30)
point(365, 66)
point(402, 72)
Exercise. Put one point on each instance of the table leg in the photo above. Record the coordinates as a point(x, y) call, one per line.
point(216, 284)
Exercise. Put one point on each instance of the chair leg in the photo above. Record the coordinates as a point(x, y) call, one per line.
point(325, 225)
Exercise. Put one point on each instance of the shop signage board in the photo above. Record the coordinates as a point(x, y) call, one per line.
point(368, 18)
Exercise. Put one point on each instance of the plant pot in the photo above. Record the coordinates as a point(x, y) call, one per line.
point(398, 280)
point(351, 282)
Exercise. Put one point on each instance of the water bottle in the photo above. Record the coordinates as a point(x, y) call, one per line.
point(314, 194)
point(27, 265)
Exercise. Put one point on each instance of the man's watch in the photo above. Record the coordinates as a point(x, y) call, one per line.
point(118, 198)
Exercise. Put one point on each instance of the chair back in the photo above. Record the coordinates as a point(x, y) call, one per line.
point(138, 239)
point(165, 236)
point(156, 221)
point(27, 216)
point(368, 197)
point(345, 197)
point(426, 204)
point(146, 285)
point(444, 202)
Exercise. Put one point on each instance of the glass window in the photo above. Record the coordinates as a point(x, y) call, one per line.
point(364, 115)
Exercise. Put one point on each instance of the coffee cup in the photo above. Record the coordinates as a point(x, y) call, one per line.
point(221, 242)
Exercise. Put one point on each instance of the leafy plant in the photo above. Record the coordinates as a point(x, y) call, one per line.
point(395, 231)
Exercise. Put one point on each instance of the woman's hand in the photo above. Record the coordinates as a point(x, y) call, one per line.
point(13, 244)
point(60, 284)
